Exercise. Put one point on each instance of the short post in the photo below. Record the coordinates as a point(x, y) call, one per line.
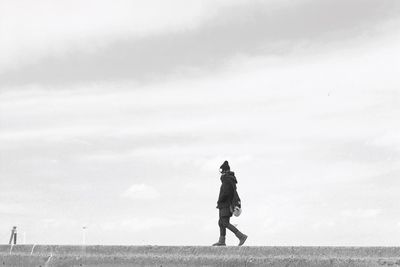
point(13, 237)
point(84, 235)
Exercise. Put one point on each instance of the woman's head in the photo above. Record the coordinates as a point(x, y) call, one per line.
point(224, 167)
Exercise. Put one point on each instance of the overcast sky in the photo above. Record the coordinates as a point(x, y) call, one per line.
point(116, 115)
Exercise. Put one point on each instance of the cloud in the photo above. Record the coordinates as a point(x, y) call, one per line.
point(138, 225)
point(390, 139)
point(244, 29)
point(183, 118)
point(12, 209)
point(141, 192)
point(313, 133)
point(33, 31)
point(46, 27)
point(361, 213)
point(59, 223)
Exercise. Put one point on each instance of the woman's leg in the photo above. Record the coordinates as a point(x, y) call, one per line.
point(222, 228)
point(222, 234)
point(224, 223)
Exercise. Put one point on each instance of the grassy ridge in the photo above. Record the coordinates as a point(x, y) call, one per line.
point(54, 255)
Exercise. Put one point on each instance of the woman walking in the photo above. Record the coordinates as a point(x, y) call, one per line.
point(225, 200)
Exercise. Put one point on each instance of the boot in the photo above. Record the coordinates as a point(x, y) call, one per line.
point(221, 241)
point(242, 237)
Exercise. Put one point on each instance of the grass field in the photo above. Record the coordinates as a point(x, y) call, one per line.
point(55, 255)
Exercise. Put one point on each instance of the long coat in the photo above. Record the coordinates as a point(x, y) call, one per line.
point(226, 193)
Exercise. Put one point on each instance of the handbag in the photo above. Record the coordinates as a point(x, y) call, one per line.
point(236, 206)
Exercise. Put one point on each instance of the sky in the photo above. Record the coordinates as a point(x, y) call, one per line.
point(116, 115)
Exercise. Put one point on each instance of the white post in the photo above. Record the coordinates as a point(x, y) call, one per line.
point(84, 235)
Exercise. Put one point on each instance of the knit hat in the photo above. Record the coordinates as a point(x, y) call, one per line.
point(225, 166)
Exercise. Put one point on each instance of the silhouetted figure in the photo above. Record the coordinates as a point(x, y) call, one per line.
point(13, 237)
point(225, 201)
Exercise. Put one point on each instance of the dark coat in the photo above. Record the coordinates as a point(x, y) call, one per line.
point(226, 193)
